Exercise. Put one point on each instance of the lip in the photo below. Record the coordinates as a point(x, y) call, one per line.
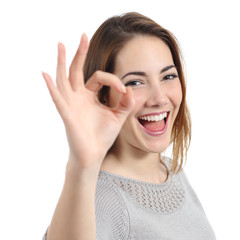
point(159, 133)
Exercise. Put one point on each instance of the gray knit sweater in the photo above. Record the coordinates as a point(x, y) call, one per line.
point(136, 210)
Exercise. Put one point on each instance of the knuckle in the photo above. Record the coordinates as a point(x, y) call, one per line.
point(74, 68)
point(74, 74)
point(97, 74)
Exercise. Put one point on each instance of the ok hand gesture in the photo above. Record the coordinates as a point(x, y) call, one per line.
point(91, 127)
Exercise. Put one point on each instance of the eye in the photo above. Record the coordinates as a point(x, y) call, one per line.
point(133, 83)
point(170, 77)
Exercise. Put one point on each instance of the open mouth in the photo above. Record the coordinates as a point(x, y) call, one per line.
point(154, 122)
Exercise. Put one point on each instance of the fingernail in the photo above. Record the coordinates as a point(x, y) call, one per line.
point(124, 90)
point(84, 40)
point(60, 45)
point(43, 73)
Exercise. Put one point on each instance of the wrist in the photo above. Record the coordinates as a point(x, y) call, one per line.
point(77, 173)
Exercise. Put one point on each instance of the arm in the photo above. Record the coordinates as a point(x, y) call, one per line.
point(74, 217)
point(91, 129)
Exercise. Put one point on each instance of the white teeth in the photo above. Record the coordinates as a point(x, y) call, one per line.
point(154, 117)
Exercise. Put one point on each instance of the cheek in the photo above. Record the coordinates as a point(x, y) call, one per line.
point(140, 96)
point(175, 94)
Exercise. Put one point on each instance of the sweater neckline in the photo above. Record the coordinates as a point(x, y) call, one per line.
point(167, 163)
point(136, 181)
point(161, 198)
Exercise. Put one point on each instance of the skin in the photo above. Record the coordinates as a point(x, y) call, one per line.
point(88, 139)
point(135, 153)
point(92, 127)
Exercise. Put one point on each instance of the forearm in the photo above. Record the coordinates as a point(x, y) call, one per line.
point(91, 129)
point(74, 217)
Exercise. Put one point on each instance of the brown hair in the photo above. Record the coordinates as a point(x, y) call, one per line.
point(105, 44)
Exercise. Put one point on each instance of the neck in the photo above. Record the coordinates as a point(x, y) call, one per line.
point(135, 163)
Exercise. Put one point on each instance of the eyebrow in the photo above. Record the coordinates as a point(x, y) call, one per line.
point(144, 74)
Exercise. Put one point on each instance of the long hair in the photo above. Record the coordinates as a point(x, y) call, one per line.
point(104, 46)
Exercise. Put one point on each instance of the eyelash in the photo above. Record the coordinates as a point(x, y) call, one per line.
point(167, 77)
point(130, 83)
point(170, 77)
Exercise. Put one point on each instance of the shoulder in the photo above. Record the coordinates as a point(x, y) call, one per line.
point(112, 218)
point(108, 193)
point(189, 189)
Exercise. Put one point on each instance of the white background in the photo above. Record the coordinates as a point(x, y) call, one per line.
point(33, 147)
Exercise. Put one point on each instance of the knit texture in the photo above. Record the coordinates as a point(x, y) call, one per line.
point(128, 209)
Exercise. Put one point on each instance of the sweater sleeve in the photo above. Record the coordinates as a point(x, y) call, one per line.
point(112, 218)
point(44, 236)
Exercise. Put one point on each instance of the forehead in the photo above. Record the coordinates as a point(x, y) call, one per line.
point(145, 53)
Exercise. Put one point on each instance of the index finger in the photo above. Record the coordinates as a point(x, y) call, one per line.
point(76, 68)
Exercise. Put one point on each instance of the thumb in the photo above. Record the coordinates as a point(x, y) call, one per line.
point(125, 104)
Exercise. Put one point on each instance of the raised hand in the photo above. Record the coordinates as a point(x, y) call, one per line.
point(91, 127)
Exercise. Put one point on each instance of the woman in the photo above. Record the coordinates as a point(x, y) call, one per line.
point(122, 105)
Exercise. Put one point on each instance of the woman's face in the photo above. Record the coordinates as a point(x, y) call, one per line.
point(145, 64)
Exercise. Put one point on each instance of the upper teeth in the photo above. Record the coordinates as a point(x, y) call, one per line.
point(154, 117)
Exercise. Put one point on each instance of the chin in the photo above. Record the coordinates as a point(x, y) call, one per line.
point(156, 146)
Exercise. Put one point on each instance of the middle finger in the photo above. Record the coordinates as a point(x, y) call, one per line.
point(76, 68)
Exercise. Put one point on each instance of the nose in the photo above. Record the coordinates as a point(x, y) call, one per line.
point(156, 97)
